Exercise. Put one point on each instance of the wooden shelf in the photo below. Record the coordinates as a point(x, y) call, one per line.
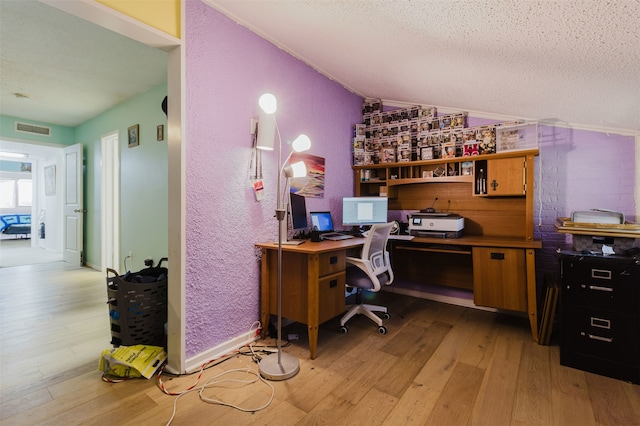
point(443, 179)
point(507, 154)
point(494, 194)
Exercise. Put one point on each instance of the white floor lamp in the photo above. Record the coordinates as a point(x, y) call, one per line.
point(280, 365)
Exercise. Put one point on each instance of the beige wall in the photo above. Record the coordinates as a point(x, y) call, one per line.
point(161, 14)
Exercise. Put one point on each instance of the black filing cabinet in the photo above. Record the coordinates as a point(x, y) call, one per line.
point(600, 315)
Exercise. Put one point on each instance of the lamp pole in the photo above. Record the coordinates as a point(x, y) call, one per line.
point(279, 366)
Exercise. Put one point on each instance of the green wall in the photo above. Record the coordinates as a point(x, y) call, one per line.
point(143, 175)
point(143, 180)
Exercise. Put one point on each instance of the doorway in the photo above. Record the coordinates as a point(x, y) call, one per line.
point(31, 249)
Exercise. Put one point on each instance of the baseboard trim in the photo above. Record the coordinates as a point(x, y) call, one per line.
point(92, 266)
point(220, 352)
point(451, 300)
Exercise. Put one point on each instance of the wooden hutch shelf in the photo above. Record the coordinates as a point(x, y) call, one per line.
point(495, 194)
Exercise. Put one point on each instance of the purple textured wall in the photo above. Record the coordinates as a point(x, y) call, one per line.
point(227, 68)
point(579, 170)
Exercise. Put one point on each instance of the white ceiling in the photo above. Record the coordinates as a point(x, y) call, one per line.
point(71, 70)
point(567, 61)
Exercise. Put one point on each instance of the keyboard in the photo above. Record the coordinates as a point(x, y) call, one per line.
point(401, 237)
point(335, 236)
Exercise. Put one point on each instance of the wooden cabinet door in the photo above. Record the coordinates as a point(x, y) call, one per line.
point(506, 176)
point(500, 278)
point(331, 296)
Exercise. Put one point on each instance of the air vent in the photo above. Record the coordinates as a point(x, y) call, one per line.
point(30, 128)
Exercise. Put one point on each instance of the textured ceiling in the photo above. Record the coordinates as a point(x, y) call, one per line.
point(71, 70)
point(569, 61)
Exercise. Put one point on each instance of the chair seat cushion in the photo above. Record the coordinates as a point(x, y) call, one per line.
point(356, 277)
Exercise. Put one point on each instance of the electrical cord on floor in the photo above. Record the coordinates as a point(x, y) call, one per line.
point(214, 382)
point(113, 379)
point(256, 351)
point(205, 366)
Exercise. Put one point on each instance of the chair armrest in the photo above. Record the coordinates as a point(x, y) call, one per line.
point(366, 267)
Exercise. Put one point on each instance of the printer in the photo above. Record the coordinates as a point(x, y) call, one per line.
point(436, 225)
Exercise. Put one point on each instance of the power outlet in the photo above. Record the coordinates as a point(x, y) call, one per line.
point(129, 256)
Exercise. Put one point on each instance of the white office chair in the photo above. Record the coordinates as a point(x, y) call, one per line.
point(370, 272)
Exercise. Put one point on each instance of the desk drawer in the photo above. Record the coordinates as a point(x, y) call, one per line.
point(601, 284)
point(331, 296)
point(601, 333)
point(330, 263)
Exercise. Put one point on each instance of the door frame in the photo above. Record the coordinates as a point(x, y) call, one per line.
point(106, 17)
point(110, 201)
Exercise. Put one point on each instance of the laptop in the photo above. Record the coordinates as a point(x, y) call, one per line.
point(323, 222)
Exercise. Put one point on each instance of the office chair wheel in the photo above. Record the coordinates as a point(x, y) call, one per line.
point(386, 315)
point(382, 329)
point(344, 329)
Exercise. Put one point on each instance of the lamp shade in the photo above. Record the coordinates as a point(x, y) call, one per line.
point(267, 122)
point(298, 169)
point(266, 131)
point(301, 143)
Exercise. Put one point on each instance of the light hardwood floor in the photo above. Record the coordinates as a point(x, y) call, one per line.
point(438, 365)
point(18, 252)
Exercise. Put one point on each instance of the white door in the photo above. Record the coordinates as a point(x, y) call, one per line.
point(73, 212)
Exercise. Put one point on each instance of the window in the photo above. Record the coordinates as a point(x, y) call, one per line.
point(7, 194)
point(24, 192)
point(15, 193)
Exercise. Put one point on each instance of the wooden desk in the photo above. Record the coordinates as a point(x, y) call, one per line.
point(500, 271)
point(313, 283)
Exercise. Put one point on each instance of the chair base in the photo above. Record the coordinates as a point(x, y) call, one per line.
point(366, 310)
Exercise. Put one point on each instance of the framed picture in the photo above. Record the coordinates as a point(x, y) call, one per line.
point(50, 180)
point(134, 136)
point(312, 185)
point(160, 132)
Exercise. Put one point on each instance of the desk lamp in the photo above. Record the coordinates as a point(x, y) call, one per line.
point(280, 365)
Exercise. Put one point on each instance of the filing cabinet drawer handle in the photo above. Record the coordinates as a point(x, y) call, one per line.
point(601, 323)
point(602, 274)
point(333, 260)
point(602, 339)
point(333, 283)
point(598, 288)
point(497, 256)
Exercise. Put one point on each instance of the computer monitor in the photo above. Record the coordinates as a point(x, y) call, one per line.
point(298, 210)
point(322, 221)
point(359, 211)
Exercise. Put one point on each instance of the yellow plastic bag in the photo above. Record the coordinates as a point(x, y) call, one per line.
point(132, 361)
